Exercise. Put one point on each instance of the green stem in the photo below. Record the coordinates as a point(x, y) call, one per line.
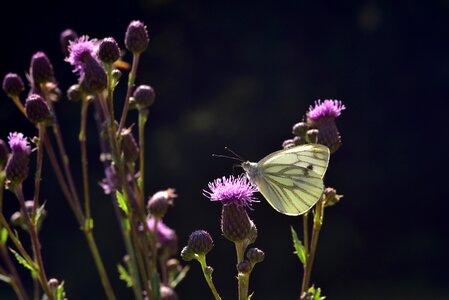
point(131, 79)
point(317, 222)
point(208, 276)
point(37, 179)
point(34, 241)
point(140, 259)
point(143, 116)
point(84, 160)
point(242, 278)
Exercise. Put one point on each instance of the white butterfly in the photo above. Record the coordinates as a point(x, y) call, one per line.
point(291, 179)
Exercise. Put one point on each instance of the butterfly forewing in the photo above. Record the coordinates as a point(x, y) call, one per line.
point(314, 157)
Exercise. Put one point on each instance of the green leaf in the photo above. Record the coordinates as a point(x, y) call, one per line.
point(250, 296)
point(124, 275)
point(3, 235)
point(60, 293)
point(22, 260)
point(300, 250)
point(179, 277)
point(122, 203)
point(316, 293)
point(5, 278)
point(39, 214)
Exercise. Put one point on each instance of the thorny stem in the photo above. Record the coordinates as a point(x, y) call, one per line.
point(37, 179)
point(131, 79)
point(34, 241)
point(208, 276)
point(317, 222)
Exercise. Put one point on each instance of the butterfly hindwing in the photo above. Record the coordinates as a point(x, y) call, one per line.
point(290, 189)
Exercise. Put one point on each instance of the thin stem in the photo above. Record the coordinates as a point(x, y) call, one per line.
point(208, 276)
point(34, 241)
point(317, 222)
point(37, 179)
point(19, 104)
point(131, 79)
point(140, 259)
point(84, 161)
point(305, 227)
point(143, 116)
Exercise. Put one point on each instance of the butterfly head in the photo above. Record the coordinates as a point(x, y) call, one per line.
point(251, 170)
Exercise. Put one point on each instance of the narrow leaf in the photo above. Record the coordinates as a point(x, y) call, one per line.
point(60, 293)
point(5, 278)
point(3, 235)
point(22, 260)
point(299, 247)
point(179, 277)
point(39, 214)
point(124, 275)
point(250, 296)
point(122, 203)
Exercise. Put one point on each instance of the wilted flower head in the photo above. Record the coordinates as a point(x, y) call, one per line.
point(18, 143)
point(165, 235)
point(232, 190)
point(158, 203)
point(322, 117)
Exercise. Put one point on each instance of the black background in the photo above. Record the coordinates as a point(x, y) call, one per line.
point(240, 75)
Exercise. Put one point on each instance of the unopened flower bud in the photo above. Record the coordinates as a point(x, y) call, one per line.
point(255, 255)
point(168, 293)
point(288, 144)
point(94, 79)
point(208, 270)
point(144, 96)
point(75, 93)
point(136, 37)
point(36, 109)
point(235, 223)
point(160, 201)
point(65, 38)
point(17, 166)
point(41, 69)
point(116, 74)
point(200, 242)
point(108, 51)
point(244, 267)
point(187, 254)
point(331, 196)
point(4, 153)
point(300, 129)
point(13, 85)
point(129, 146)
point(312, 136)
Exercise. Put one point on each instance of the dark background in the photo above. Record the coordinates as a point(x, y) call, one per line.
point(240, 75)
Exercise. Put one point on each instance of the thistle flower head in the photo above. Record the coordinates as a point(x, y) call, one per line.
point(108, 50)
point(18, 143)
point(232, 190)
point(80, 50)
point(165, 235)
point(36, 109)
point(325, 109)
point(144, 96)
point(136, 37)
point(200, 242)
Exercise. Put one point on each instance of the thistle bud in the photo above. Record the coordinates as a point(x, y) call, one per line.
point(36, 109)
point(187, 254)
point(244, 267)
point(144, 96)
point(252, 234)
point(331, 196)
point(255, 255)
point(200, 242)
point(75, 93)
point(94, 79)
point(13, 85)
point(108, 51)
point(4, 153)
point(129, 145)
point(235, 223)
point(312, 136)
point(300, 129)
point(41, 69)
point(65, 38)
point(136, 37)
point(159, 202)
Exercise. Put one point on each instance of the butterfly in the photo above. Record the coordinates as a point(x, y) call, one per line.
point(291, 180)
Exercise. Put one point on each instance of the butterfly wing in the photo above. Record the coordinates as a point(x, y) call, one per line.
point(291, 180)
point(314, 157)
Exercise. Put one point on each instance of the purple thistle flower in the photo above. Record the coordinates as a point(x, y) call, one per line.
point(18, 143)
point(325, 109)
point(232, 190)
point(166, 236)
point(80, 50)
point(322, 117)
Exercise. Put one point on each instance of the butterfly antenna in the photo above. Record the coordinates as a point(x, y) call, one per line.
point(226, 156)
point(235, 154)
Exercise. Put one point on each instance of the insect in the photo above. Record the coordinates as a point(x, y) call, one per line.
point(291, 180)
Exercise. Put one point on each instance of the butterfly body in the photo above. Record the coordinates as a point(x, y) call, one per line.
point(291, 180)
